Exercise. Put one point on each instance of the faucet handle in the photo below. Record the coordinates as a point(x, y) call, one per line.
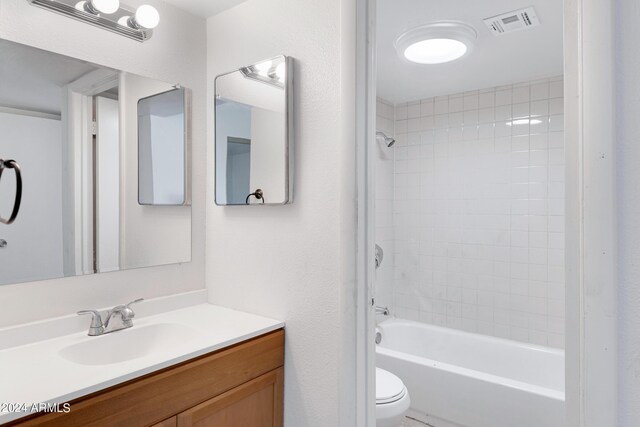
point(96, 327)
point(130, 312)
point(135, 302)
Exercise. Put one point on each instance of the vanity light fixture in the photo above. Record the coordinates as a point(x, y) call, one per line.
point(436, 43)
point(267, 72)
point(108, 14)
point(99, 6)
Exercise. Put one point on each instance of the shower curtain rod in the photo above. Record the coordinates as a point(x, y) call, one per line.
point(30, 113)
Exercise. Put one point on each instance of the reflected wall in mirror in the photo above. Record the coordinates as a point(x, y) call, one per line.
point(253, 132)
point(72, 126)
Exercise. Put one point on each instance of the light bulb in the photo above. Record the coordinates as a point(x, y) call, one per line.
point(106, 6)
point(124, 21)
point(264, 67)
point(281, 71)
point(435, 51)
point(80, 6)
point(147, 17)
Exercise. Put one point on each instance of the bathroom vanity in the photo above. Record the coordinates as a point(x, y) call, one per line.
point(202, 365)
point(241, 385)
point(107, 155)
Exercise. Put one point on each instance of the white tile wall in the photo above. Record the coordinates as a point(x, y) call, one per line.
point(478, 211)
point(384, 203)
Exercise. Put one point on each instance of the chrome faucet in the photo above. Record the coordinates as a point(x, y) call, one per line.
point(119, 317)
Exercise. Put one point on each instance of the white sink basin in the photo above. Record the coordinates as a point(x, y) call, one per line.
point(127, 344)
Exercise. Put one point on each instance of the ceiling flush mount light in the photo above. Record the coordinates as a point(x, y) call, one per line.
point(436, 43)
point(108, 14)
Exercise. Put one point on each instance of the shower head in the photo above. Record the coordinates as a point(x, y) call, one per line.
point(387, 139)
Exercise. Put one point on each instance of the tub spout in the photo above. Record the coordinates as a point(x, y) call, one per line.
point(382, 310)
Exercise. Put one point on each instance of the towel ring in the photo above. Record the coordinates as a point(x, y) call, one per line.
point(11, 164)
point(258, 194)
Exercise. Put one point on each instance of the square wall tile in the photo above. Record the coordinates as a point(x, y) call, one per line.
point(471, 205)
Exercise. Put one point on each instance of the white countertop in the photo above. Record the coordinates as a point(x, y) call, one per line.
point(37, 373)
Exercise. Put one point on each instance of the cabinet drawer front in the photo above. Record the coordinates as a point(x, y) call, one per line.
point(161, 395)
point(258, 403)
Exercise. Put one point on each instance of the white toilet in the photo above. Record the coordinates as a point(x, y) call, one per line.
point(392, 399)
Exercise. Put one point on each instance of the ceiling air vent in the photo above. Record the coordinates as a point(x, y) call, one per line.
point(513, 21)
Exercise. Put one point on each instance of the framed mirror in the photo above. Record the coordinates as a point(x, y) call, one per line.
point(72, 128)
point(163, 149)
point(253, 134)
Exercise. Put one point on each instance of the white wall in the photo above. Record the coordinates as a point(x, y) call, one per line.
point(479, 212)
point(149, 235)
point(35, 239)
point(294, 262)
point(628, 195)
point(176, 53)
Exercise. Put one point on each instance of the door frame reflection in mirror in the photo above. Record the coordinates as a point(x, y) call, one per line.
point(80, 116)
point(249, 72)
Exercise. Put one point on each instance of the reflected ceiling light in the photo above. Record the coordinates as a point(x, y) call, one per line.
point(107, 14)
point(524, 122)
point(436, 43)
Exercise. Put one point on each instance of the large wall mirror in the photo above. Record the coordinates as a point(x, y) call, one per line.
point(73, 129)
point(253, 129)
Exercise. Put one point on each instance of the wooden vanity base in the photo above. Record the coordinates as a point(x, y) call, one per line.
point(237, 386)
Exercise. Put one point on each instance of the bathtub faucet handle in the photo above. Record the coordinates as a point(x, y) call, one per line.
point(382, 310)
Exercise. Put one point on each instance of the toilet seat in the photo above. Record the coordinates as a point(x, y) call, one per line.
point(389, 388)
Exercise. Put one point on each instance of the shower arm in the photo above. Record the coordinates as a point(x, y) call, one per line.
point(387, 139)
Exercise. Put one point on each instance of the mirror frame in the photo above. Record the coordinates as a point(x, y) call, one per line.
point(289, 140)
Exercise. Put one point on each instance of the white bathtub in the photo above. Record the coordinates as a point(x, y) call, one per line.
point(457, 378)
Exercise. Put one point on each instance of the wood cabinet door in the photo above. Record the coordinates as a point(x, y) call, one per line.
point(257, 403)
